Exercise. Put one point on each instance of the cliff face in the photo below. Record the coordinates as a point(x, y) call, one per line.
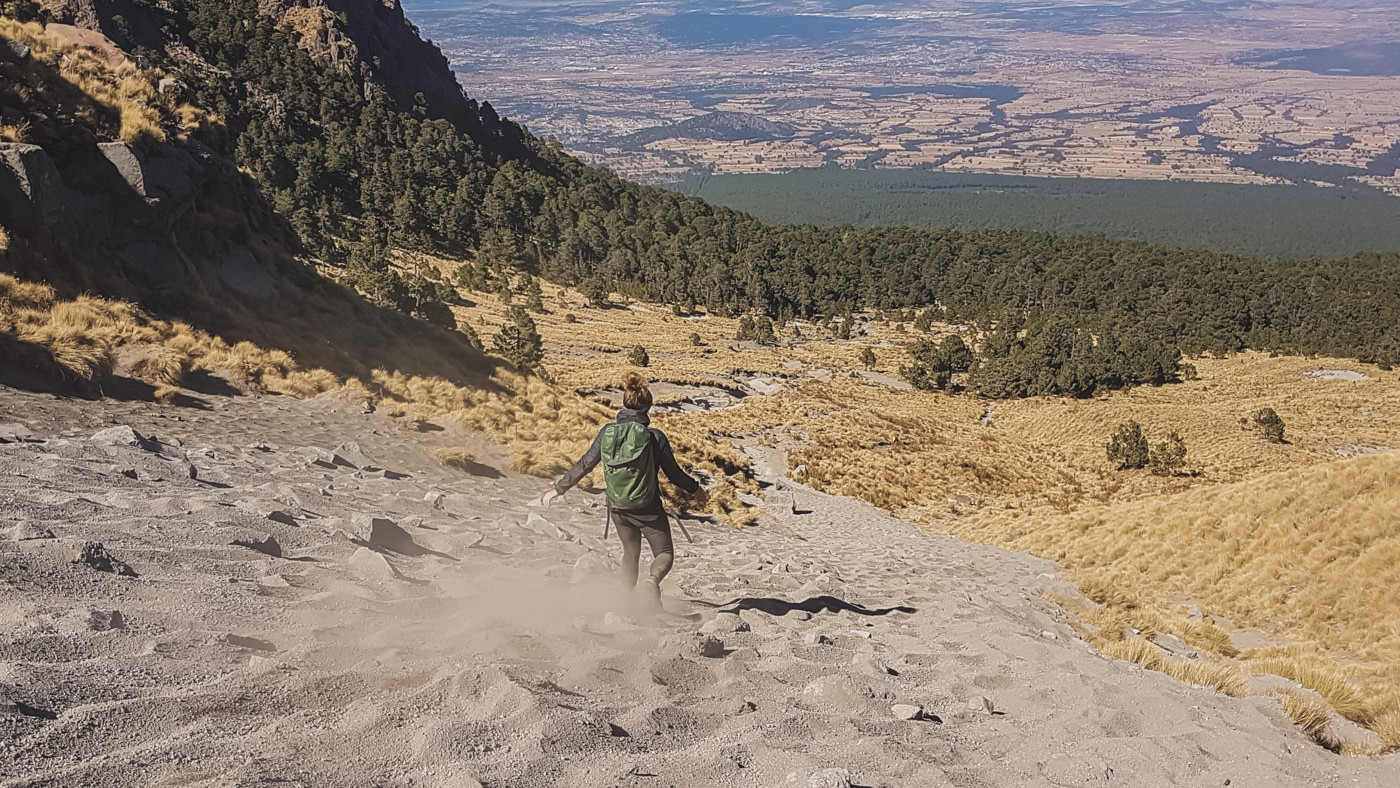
point(370, 39)
point(374, 37)
point(123, 196)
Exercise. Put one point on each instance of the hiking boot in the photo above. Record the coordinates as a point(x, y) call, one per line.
point(651, 592)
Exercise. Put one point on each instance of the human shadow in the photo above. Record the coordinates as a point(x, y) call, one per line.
point(478, 469)
point(391, 538)
point(813, 605)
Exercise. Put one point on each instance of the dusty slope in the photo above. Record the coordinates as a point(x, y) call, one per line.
point(483, 642)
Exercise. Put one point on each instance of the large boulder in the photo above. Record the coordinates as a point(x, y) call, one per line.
point(163, 175)
point(31, 191)
point(13, 51)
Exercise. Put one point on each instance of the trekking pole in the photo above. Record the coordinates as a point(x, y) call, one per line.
point(682, 526)
point(606, 524)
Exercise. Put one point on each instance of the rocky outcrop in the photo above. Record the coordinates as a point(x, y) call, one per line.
point(374, 38)
point(163, 174)
point(31, 191)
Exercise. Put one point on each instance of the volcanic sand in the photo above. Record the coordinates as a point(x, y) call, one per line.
point(467, 637)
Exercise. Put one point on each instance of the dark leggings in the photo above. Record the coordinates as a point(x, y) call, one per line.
point(631, 527)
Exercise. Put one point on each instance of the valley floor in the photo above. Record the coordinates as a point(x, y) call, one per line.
point(466, 637)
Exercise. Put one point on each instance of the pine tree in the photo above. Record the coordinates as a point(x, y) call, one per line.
point(867, 357)
point(519, 341)
point(638, 356)
point(1267, 421)
point(1168, 457)
point(1128, 446)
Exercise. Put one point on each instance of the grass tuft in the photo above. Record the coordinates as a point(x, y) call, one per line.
point(455, 457)
point(1311, 715)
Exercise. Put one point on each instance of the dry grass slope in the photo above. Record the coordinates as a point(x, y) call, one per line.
point(74, 86)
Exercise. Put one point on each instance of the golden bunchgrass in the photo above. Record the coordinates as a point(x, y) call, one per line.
point(455, 457)
point(1311, 715)
point(119, 101)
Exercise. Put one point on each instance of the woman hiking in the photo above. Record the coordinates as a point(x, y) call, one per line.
point(631, 452)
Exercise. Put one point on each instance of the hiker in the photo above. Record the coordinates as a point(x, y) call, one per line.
point(631, 452)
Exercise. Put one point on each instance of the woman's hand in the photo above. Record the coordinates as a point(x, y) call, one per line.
point(548, 497)
point(700, 497)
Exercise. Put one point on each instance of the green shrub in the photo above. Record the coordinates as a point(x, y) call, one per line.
point(1128, 446)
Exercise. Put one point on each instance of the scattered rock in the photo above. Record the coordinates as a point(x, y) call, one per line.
point(710, 647)
point(349, 456)
point(13, 51)
point(129, 473)
point(829, 778)
point(16, 433)
point(908, 711)
point(1195, 612)
point(123, 435)
point(434, 499)
point(1174, 645)
point(981, 704)
point(319, 458)
point(104, 620)
point(96, 556)
point(736, 706)
point(724, 623)
point(263, 543)
point(26, 532)
point(243, 641)
point(1048, 635)
point(31, 191)
point(817, 639)
point(279, 516)
point(384, 533)
point(368, 563)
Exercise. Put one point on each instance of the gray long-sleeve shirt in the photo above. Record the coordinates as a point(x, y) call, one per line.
point(665, 458)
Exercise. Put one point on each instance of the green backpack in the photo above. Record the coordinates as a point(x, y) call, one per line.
point(629, 469)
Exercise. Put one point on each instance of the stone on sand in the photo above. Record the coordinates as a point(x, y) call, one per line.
point(382, 532)
point(104, 620)
point(27, 531)
point(279, 516)
point(725, 623)
point(123, 435)
point(907, 711)
point(434, 499)
point(263, 543)
point(736, 706)
point(982, 704)
point(370, 564)
point(817, 639)
point(96, 556)
point(244, 641)
point(16, 433)
point(710, 647)
point(349, 455)
point(829, 778)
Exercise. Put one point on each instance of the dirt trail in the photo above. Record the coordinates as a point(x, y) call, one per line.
point(466, 637)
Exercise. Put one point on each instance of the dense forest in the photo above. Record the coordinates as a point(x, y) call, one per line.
point(1282, 220)
point(358, 174)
